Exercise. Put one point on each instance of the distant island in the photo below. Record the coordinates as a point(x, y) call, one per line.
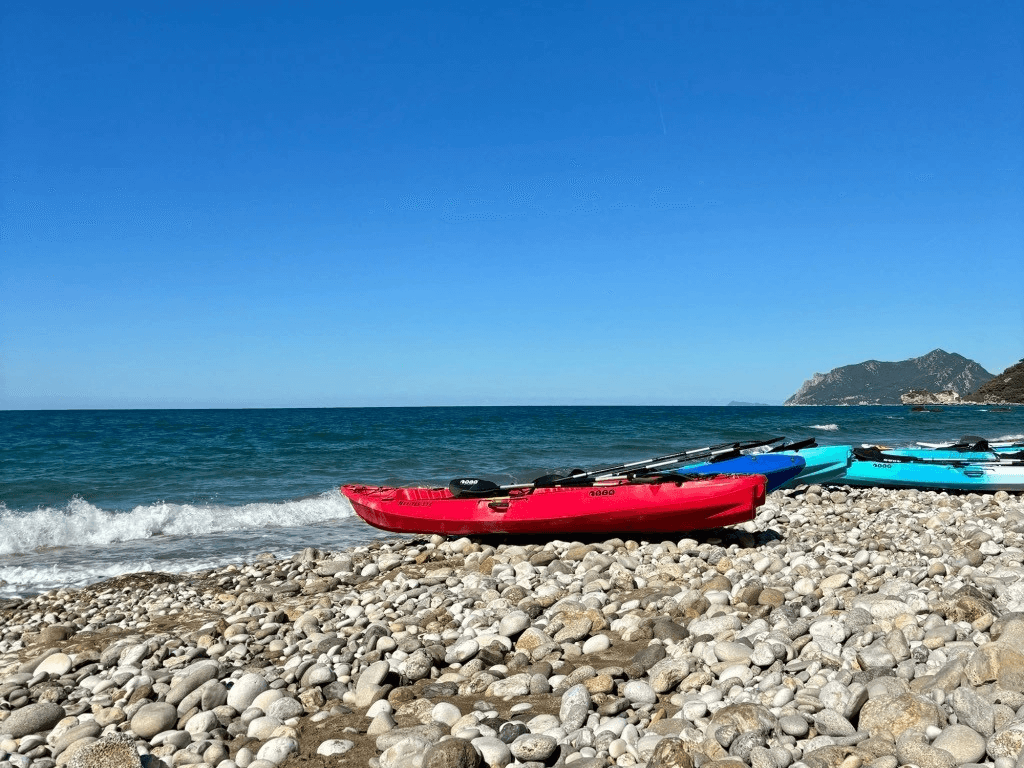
point(874, 382)
point(737, 402)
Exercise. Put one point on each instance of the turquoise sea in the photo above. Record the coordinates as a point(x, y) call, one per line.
point(86, 495)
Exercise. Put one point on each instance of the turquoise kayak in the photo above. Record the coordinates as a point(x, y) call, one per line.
point(941, 454)
point(825, 464)
point(887, 469)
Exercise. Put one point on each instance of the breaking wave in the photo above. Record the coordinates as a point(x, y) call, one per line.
point(81, 524)
point(825, 427)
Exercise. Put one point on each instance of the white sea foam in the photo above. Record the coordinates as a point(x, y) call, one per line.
point(1009, 439)
point(81, 524)
point(825, 427)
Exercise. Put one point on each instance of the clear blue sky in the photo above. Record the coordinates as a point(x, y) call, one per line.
point(330, 204)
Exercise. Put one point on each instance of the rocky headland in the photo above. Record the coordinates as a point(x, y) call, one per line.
point(875, 382)
point(1005, 389)
point(843, 628)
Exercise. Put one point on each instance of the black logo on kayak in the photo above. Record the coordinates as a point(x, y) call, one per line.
point(603, 492)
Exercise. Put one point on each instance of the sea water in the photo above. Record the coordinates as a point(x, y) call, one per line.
point(87, 495)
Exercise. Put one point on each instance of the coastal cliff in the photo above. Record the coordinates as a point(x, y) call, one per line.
point(1006, 388)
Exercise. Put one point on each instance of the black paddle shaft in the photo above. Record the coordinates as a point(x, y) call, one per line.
point(476, 487)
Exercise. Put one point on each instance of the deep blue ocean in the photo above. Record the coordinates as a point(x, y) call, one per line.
point(86, 495)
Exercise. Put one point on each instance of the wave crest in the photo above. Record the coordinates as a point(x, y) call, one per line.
point(81, 524)
point(825, 427)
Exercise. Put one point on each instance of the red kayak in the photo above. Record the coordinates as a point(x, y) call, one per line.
point(676, 504)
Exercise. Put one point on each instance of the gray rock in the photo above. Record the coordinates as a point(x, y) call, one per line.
point(510, 687)
point(916, 751)
point(418, 666)
point(965, 744)
point(847, 700)
point(876, 656)
point(34, 718)
point(896, 714)
point(286, 708)
point(316, 676)
point(461, 653)
point(666, 629)
point(277, 750)
point(639, 693)
point(153, 718)
point(832, 723)
point(408, 747)
point(261, 727)
point(373, 675)
point(973, 711)
point(735, 652)
point(512, 730)
point(245, 690)
point(56, 664)
point(532, 747)
point(644, 659)
point(452, 753)
point(597, 644)
point(335, 747)
point(493, 751)
point(576, 705)
point(715, 625)
point(201, 722)
point(794, 725)
point(74, 733)
point(214, 695)
point(513, 624)
point(667, 674)
point(428, 733)
point(191, 679)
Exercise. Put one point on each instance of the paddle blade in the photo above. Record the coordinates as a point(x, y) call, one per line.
point(575, 477)
point(472, 486)
point(810, 442)
point(547, 481)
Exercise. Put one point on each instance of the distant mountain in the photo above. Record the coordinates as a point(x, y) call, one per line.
point(881, 383)
point(738, 402)
point(1007, 387)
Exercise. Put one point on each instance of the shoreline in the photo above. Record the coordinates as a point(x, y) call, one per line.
point(802, 638)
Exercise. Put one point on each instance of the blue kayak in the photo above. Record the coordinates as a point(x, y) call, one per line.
point(777, 468)
point(890, 470)
point(826, 464)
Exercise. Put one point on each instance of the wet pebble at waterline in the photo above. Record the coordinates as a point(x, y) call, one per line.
point(842, 628)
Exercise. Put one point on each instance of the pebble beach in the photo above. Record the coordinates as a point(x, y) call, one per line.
point(842, 628)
